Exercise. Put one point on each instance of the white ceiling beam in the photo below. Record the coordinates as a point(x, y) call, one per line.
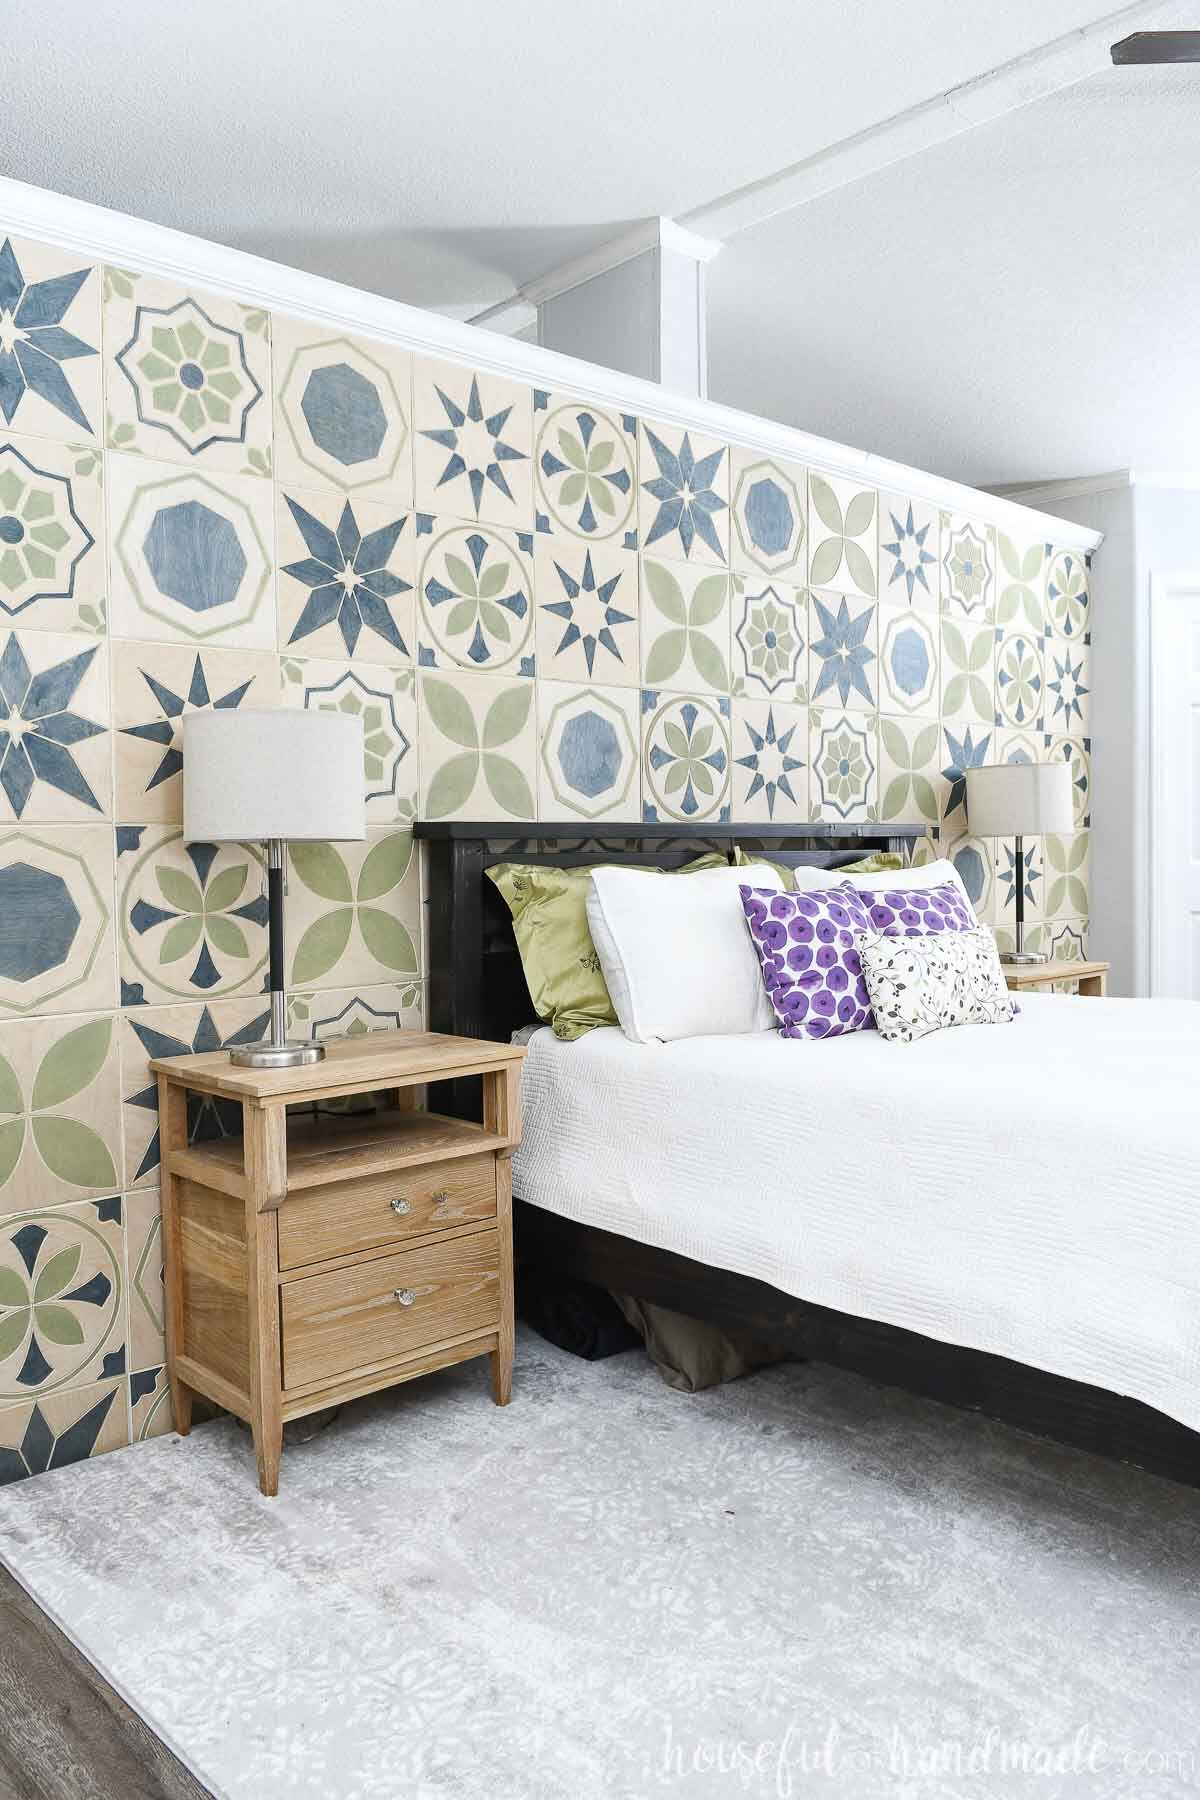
point(648, 234)
point(1046, 70)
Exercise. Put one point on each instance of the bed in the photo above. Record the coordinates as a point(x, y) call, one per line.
point(1003, 1218)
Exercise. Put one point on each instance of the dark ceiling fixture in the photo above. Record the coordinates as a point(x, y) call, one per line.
point(1158, 47)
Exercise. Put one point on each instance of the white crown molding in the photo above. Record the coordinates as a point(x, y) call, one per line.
point(507, 316)
point(1060, 64)
point(101, 235)
point(648, 234)
point(1049, 493)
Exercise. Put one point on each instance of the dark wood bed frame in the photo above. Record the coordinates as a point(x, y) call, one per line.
point(476, 987)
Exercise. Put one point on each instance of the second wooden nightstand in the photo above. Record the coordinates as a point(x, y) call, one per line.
point(1091, 976)
point(314, 1261)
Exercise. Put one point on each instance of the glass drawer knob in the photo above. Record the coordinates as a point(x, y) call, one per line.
point(400, 1206)
point(405, 1296)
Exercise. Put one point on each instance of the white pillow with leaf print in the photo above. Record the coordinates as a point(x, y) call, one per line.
point(687, 622)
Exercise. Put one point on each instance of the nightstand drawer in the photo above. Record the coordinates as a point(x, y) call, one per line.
point(349, 1216)
point(375, 1311)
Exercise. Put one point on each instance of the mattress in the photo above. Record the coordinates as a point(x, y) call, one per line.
point(1029, 1189)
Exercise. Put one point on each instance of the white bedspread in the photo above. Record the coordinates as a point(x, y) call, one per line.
point(1032, 1190)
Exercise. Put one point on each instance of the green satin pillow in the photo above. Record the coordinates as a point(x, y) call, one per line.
point(873, 865)
point(751, 859)
point(562, 970)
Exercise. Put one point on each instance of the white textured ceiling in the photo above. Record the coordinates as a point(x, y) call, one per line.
point(440, 150)
point(1014, 303)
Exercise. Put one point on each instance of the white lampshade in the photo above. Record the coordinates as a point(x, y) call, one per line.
point(1019, 799)
point(251, 775)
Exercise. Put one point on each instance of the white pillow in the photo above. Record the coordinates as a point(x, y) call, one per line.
point(927, 875)
point(677, 957)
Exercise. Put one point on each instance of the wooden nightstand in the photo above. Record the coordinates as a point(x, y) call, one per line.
point(1091, 976)
point(317, 1260)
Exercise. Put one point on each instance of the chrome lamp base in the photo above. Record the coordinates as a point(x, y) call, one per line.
point(280, 1051)
point(284, 1055)
point(1021, 958)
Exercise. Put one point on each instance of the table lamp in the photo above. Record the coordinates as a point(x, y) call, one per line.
point(1015, 800)
point(273, 777)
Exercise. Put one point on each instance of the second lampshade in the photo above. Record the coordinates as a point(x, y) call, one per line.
point(274, 777)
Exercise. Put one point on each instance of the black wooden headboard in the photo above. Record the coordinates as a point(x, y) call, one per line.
point(476, 987)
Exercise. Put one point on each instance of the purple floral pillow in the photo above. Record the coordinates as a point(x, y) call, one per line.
point(810, 966)
point(917, 912)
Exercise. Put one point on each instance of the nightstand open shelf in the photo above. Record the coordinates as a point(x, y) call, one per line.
point(314, 1260)
point(330, 1149)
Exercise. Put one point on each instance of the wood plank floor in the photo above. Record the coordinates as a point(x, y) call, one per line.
point(64, 1733)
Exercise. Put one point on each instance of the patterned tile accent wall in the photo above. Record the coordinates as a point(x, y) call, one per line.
point(539, 609)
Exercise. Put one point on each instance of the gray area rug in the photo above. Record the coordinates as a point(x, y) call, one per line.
point(796, 1584)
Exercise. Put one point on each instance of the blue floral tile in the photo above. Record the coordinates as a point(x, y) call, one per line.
point(155, 686)
point(686, 757)
point(1020, 681)
point(62, 1428)
point(51, 536)
point(189, 375)
point(1032, 878)
point(974, 861)
point(323, 1014)
point(966, 746)
point(1020, 585)
point(911, 787)
point(908, 660)
point(1068, 690)
point(55, 753)
point(770, 762)
point(842, 652)
point(342, 413)
point(843, 539)
point(769, 514)
point(354, 911)
point(50, 363)
point(181, 1030)
point(60, 1112)
point(1077, 754)
point(968, 568)
point(385, 699)
point(585, 471)
point(770, 639)
point(191, 555)
point(844, 765)
point(1068, 874)
point(1067, 596)
point(587, 609)
point(909, 561)
point(345, 578)
point(478, 746)
point(683, 503)
point(968, 659)
point(56, 948)
point(193, 917)
point(475, 599)
point(589, 753)
point(685, 627)
point(472, 445)
point(62, 1298)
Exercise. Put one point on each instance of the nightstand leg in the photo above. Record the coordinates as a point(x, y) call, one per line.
point(173, 1135)
point(266, 1173)
point(1094, 985)
point(181, 1404)
point(502, 1355)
